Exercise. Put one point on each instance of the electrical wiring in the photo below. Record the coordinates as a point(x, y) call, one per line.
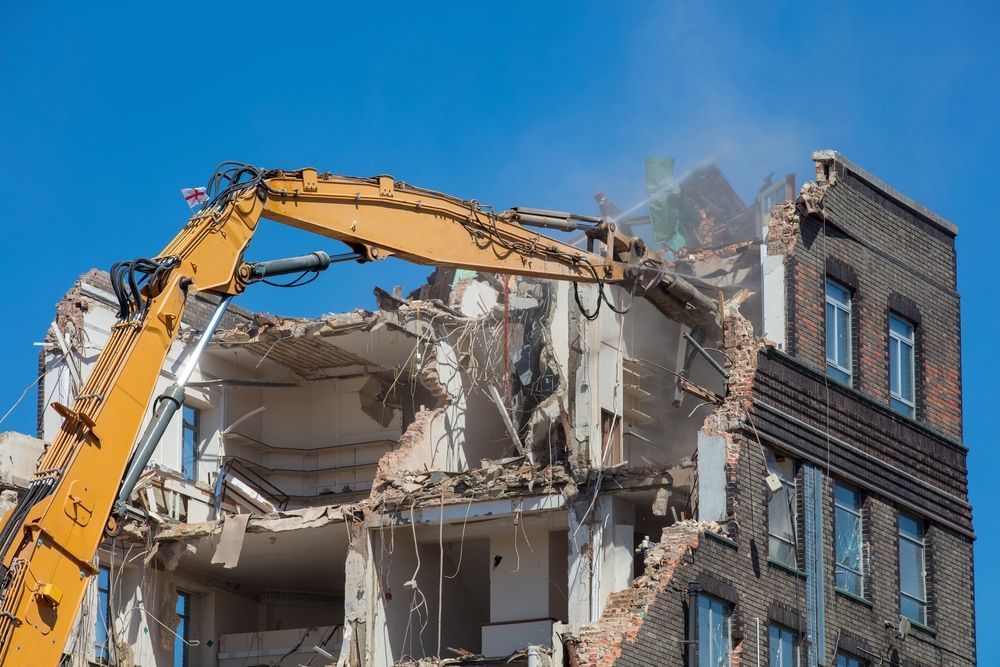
point(298, 281)
point(136, 282)
point(21, 397)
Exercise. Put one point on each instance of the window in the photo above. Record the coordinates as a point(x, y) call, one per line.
point(848, 535)
point(714, 632)
point(102, 647)
point(782, 512)
point(912, 570)
point(183, 611)
point(189, 442)
point(849, 661)
point(901, 371)
point(783, 647)
point(838, 332)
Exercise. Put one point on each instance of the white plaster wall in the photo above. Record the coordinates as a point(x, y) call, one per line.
point(519, 585)
point(559, 329)
point(396, 631)
point(315, 436)
point(711, 477)
point(773, 297)
point(651, 336)
point(586, 416)
point(616, 519)
point(18, 457)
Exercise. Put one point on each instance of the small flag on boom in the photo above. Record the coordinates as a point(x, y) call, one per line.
point(195, 196)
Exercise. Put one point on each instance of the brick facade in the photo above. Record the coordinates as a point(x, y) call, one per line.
point(646, 624)
point(896, 257)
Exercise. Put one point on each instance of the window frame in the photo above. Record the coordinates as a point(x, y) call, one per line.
point(715, 605)
point(859, 513)
point(921, 543)
point(194, 428)
point(843, 374)
point(901, 404)
point(790, 492)
point(183, 635)
point(796, 645)
point(102, 652)
point(850, 660)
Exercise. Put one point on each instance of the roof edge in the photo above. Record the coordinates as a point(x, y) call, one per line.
point(876, 182)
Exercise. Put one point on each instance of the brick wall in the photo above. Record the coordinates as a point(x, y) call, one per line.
point(646, 624)
point(898, 256)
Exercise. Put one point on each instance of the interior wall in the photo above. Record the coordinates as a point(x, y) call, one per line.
point(519, 583)
point(466, 430)
point(320, 414)
point(617, 520)
point(399, 632)
point(672, 433)
point(286, 615)
point(314, 438)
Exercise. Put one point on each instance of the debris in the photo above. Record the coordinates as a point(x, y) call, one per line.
point(494, 395)
point(660, 504)
point(234, 528)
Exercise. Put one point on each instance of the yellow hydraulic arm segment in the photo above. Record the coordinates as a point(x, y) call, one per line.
point(48, 542)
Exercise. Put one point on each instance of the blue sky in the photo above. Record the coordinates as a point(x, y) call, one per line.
point(106, 113)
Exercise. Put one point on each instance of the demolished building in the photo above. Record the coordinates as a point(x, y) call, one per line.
point(495, 470)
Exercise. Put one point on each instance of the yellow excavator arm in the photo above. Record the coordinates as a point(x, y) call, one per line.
point(77, 496)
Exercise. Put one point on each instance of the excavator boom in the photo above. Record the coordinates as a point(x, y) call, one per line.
point(49, 540)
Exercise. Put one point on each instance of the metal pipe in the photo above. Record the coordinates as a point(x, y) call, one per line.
point(758, 640)
point(167, 406)
point(543, 217)
point(532, 655)
point(564, 224)
point(189, 365)
point(704, 353)
point(314, 261)
point(694, 590)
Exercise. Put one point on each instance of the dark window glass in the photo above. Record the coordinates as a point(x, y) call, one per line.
point(838, 332)
point(902, 396)
point(102, 647)
point(714, 632)
point(183, 611)
point(783, 647)
point(912, 573)
point(848, 538)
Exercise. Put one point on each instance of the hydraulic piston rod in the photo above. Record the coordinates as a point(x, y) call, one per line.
point(167, 406)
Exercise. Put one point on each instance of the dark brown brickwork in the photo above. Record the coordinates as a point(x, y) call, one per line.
point(897, 258)
point(795, 405)
point(893, 256)
point(637, 631)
